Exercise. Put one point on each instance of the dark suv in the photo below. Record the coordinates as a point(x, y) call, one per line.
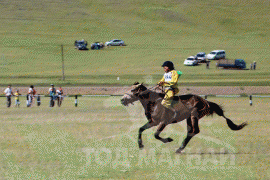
point(81, 45)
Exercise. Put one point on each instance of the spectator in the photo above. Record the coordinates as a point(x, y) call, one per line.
point(52, 92)
point(17, 101)
point(207, 64)
point(8, 92)
point(254, 65)
point(217, 65)
point(60, 97)
point(31, 95)
point(251, 66)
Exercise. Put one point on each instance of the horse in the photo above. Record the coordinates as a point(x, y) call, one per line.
point(189, 107)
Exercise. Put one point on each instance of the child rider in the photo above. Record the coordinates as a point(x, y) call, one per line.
point(169, 81)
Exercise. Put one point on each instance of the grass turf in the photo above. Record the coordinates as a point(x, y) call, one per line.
point(98, 140)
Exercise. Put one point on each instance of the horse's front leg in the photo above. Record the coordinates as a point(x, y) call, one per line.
point(159, 130)
point(143, 128)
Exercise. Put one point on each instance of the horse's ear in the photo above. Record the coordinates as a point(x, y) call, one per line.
point(136, 83)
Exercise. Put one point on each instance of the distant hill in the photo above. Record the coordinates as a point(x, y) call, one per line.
point(32, 31)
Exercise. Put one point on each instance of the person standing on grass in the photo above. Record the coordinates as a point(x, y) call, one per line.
point(254, 65)
point(17, 101)
point(31, 95)
point(207, 64)
point(52, 92)
point(60, 97)
point(8, 92)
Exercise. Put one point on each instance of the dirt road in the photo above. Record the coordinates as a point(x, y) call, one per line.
point(106, 90)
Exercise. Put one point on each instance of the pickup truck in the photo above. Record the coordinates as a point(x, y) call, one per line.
point(235, 64)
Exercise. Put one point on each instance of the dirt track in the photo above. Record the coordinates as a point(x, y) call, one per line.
point(105, 90)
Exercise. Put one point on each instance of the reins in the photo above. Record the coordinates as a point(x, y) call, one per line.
point(152, 88)
point(157, 87)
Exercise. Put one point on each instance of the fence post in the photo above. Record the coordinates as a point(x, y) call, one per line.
point(27, 101)
point(38, 100)
point(250, 100)
point(76, 100)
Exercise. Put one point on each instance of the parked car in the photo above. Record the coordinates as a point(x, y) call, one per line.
point(216, 54)
point(81, 44)
point(191, 61)
point(97, 45)
point(115, 42)
point(201, 57)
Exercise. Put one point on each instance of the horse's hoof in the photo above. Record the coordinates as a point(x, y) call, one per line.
point(141, 146)
point(179, 151)
point(169, 139)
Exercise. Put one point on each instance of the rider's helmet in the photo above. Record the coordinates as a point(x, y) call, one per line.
point(169, 64)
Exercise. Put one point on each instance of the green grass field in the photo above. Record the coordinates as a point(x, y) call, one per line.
point(32, 31)
point(98, 140)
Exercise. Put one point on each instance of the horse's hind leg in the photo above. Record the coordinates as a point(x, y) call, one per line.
point(159, 130)
point(193, 129)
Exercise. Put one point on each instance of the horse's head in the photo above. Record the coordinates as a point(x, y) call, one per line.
point(136, 90)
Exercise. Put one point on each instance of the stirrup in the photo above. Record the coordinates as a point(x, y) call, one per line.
point(175, 114)
point(173, 110)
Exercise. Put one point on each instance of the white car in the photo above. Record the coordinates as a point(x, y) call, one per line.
point(201, 57)
point(191, 61)
point(115, 42)
point(216, 54)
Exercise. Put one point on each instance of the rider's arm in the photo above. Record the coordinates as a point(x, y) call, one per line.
point(161, 82)
point(175, 78)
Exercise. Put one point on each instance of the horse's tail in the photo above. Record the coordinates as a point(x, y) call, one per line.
point(215, 108)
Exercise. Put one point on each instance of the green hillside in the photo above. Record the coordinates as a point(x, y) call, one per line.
point(32, 32)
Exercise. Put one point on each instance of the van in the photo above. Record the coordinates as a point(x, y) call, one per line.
point(216, 54)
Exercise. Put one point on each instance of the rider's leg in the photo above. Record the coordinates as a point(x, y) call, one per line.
point(8, 101)
point(167, 101)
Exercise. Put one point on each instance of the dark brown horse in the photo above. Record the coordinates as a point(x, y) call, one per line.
point(190, 107)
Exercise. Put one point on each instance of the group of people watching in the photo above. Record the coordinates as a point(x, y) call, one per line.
point(31, 94)
point(56, 95)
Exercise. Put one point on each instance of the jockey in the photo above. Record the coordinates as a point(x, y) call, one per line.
point(169, 80)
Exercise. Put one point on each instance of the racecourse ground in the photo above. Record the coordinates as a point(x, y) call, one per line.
point(98, 140)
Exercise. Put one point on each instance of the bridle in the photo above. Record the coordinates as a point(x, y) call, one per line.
point(155, 88)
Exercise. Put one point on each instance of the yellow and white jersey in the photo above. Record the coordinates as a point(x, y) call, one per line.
point(16, 96)
point(170, 79)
